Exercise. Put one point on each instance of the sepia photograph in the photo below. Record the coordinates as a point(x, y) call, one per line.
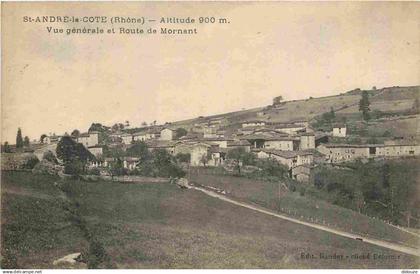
point(210, 135)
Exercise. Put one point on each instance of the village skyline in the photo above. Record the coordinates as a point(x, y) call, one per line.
point(146, 124)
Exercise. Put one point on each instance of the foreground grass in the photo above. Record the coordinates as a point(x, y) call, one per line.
point(35, 225)
point(304, 207)
point(161, 226)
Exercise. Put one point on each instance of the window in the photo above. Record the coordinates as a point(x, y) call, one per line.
point(372, 150)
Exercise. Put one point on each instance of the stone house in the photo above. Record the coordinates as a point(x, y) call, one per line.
point(253, 123)
point(335, 153)
point(129, 163)
point(126, 138)
point(339, 130)
point(141, 136)
point(290, 128)
point(167, 134)
point(395, 149)
point(281, 143)
point(302, 173)
point(290, 159)
point(210, 132)
point(221, 142)
point(169, 146)
point(88, 139)
point(218, 156)
point(272, 141)
point(197, 150)
point(307, 141)
point(239, 143)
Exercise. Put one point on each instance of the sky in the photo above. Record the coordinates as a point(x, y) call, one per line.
point(57, 83)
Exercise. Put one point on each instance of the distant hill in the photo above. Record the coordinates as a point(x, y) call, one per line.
point(390, 99)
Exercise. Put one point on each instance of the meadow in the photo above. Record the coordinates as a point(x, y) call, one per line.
point(305, 203)
point(157, 225)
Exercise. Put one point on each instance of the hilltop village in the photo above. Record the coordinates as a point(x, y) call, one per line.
point(297, 144)
point(269, 179)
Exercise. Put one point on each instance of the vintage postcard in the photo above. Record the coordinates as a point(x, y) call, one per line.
point(210, 135)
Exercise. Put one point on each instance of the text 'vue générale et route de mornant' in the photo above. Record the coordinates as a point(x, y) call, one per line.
point(123, 25)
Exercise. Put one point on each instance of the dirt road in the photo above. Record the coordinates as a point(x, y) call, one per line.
point(392, 246)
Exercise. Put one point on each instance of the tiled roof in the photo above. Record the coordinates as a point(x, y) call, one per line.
point(238, 143)
point(159, 143)
point(287, 154)
point(84, 134)
point(289, 126)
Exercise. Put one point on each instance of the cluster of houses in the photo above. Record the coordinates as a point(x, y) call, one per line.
point(293, 144)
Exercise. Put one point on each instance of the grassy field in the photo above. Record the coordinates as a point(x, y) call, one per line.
point(304, 207)
point(160, 226)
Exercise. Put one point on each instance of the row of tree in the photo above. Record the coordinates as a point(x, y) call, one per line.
point(385, 189)
point(20, 142)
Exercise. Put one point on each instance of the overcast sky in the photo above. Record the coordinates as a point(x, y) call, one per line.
point(56, 83)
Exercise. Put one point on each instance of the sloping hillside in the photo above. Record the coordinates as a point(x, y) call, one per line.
point(392, 99)
point(154, 225)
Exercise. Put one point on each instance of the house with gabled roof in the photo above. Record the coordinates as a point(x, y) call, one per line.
point(197, 150)
point(89, 138)
point(339, 130)
point(290, 159)
point(167, 134)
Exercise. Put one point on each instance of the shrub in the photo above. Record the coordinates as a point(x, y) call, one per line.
point(97, 254)
point(31, 163)
point(50, 157)
point(302, 190)
point(271, 167)
point(73, 167)
point(387, 133)
point(183, 157)
point(94, 171)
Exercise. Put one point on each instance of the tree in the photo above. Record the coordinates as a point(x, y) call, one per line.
point(26, 141)
point(416, 106)
point(332, 113)
point(97, 127)
point(117, 168)
point(183, 157)
point(364, 105)
point(179, 132)
point(6, 147)
point(240, 157)
point(19, 140)
point(144, 124)
point(359, 200)
point(114, 152)
point(139, 149)
point(205, 159)
point(50, 157)
point(117, 127)
point(73, 155)
point(41, 139)
point(277, 100)
point(75, 133)
point(386, 173)
point(164, 164)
